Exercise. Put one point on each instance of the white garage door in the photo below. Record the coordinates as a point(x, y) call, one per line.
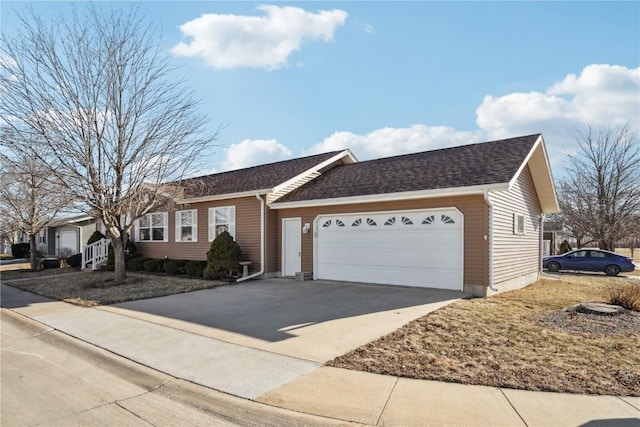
point(412, 248)
point(68, 239)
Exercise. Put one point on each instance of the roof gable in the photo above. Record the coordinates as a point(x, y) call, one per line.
point(481, 164)
point(262, 178)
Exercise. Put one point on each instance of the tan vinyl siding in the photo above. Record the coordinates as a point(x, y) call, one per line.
point(272, 241)
point(515, 255)
point(247, 222)
point(473, 208)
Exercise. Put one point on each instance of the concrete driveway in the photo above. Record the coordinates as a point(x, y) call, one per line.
point(312, 320)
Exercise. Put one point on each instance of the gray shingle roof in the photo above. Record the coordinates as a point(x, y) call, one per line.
point(468, 165)
point(253, 178)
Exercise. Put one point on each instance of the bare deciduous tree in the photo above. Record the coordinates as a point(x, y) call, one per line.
point(102, 97)
point(30, 197)
point(601, 194)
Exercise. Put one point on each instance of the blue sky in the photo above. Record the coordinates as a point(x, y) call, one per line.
point(386, 78)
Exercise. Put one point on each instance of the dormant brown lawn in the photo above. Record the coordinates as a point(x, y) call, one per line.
point(93, 288)
point(518, 339)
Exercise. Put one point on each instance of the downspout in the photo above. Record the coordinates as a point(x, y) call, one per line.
point(259, 273)
point(541, 239)
point(488, 202)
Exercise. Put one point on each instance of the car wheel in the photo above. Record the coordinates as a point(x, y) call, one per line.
point(612, 270)
point(553, 267)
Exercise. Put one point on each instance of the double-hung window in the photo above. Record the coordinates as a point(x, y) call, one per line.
point(153, 227)
point(222, 219)
point(187, 226)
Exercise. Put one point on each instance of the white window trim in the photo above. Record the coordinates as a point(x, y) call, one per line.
point(165, 227)
point(194, 226)
point(231, 224)
point(519, 224)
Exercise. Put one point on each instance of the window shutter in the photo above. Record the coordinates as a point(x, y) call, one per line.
point(178, 225)
point(136, 230)
point(212, 224)
point(232, 221)
point(165, 226)
point(194, 221)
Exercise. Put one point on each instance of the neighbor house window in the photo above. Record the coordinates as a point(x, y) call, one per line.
point(518, 224)
point(42, 236)
point(153, 228)
point(187, 226)
point(220, 220)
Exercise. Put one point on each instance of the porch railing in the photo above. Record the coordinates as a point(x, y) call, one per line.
point(95, 254)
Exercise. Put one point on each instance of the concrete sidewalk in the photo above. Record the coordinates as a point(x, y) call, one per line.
point(306, 386)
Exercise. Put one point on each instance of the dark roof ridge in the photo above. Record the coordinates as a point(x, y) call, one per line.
point(456, 147)
point(262, 165)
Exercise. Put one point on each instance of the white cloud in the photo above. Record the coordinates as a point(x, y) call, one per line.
point(601, 95)
point(230, 41)
point(253, 152)
point(393, 141)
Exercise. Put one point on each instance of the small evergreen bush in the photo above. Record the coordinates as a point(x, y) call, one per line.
point(175, 266)
point(74, 260)
point(223, 257)
point(95, 237)
point(20, 250)
point(136, 264)
point(130, 252)
point(154, 265)
point(195, 268)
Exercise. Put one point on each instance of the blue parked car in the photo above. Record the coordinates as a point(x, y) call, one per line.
point(590, 260)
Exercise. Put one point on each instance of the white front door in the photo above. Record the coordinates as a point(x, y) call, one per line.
point(291, 246)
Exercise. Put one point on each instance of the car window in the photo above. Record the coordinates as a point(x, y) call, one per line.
point(580, 254)
point(598, 254)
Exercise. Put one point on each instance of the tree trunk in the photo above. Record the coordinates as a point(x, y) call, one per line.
point(607, 245)
point(34, 252)
point(120, 273)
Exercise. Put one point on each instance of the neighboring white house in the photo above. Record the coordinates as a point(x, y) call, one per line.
point(62, 235)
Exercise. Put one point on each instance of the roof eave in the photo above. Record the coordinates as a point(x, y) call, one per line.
point(238, 195)
point(389, 197)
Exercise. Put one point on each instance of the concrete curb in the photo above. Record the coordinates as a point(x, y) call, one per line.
point(188, 393)
point(330, 393)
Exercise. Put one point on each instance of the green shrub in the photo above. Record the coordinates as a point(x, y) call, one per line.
point(74, 260)
point(154, 265)
point(625, 295)
point(20, 250)
point(565, 247)
point(195, 268)
point(130, 252)
point(223, 257)
point(95, 237)
point(175, 266)
point(136, 264)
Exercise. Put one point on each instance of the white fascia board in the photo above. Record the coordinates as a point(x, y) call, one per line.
point(516, 175)
point(539, 144)
point(251, 193)
point(406, 195)
point(316, 168)
point(85, 218)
